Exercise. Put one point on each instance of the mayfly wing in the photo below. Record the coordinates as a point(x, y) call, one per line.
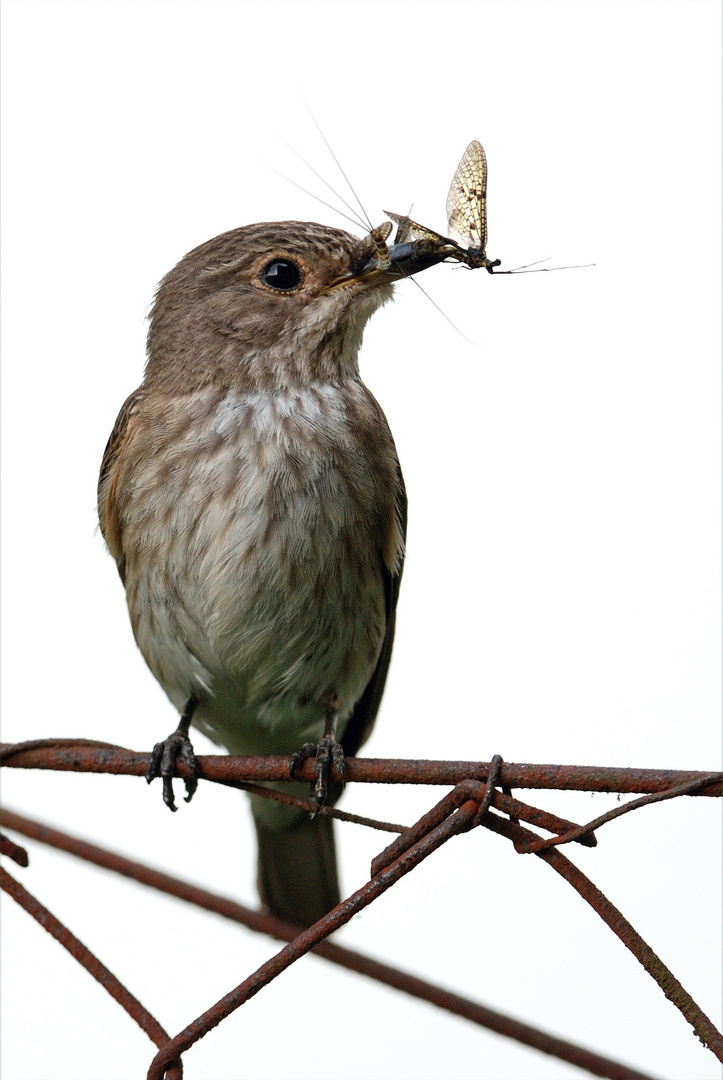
point(466, 214)
point(404, 233)
point(411, 230)
point(467, 200)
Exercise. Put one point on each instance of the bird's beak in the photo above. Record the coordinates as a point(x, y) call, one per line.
point(404, 260)
point(377, 264)
point(415, 248)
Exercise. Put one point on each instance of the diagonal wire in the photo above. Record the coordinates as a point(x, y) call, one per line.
point(459, 822)
point(703, 1026)
point(305, 941)
point(581, 831)
point(86, 755)
point(311, 806)
point(261, 922)
point(92, 965)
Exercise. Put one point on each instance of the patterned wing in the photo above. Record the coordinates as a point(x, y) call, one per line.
point(467, 200)
point(409, 230)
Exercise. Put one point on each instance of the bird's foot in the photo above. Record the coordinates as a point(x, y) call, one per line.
point(329, 755)
point(328, 752)
point(176, 748)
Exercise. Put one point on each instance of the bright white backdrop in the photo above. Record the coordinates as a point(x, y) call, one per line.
point(561, 600)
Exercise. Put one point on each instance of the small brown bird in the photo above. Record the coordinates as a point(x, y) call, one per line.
point(251, 496)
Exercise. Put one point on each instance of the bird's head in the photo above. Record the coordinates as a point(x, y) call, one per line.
point(272, 306)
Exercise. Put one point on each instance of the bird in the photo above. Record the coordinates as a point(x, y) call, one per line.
point(252, 498)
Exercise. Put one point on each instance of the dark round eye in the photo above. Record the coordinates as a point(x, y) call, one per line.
point(282, 274)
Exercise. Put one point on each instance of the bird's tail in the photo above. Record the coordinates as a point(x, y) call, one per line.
point(298, 878)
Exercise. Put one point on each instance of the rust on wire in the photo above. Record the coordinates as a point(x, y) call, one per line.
point(312, 807)
point(18, 854)
point(526, 841)
point(519, 810)
point(701, 1024)
point(93, 966)
point(265, 923)
point(468, 805)
point(581, 833)
point(510, 1027)
point(472, 789)
point(85, 755)
point(307, 939)
point(489, 790)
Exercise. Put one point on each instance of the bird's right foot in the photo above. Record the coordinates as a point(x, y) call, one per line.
point(176, 748)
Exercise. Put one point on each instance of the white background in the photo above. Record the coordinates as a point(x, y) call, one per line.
point(561, 600)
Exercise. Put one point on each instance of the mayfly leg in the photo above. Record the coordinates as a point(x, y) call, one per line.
point(379, 237)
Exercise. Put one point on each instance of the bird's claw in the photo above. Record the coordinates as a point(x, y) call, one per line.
point(329, 755)
point(297, 760)
point(164, 757)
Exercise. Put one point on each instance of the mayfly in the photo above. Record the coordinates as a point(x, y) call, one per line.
point(466, 221)
point(466, 214)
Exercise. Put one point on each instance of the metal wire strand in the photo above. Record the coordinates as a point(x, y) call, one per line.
point(508, 1026)
point(93, 966)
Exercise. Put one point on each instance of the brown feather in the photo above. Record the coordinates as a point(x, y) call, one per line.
point(251, 496)
point(110, 525)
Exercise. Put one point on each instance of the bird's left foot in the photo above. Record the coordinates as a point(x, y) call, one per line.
point(177, 747)
point(328, 752)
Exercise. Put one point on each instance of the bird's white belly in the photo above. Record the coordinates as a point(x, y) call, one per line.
point(269, 594)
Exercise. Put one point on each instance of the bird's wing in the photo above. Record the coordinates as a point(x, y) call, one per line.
point(361, 721)
point(107, 481)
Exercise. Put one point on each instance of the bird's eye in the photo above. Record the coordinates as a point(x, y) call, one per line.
point(282, 274)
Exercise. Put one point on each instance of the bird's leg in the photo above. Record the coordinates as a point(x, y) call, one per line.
point(177, 747)
point(328, 752)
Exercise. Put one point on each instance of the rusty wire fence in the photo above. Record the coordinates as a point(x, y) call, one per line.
point(481, 796)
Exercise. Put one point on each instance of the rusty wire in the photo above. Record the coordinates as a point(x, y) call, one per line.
point(522, 838)
point(263, 922)
point(92, 965)
point(583, 832)
point(468, 805)
point(704, 1028)
point(18, 854)
point(307, 939)
point(516, 809)
point(86, 755)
